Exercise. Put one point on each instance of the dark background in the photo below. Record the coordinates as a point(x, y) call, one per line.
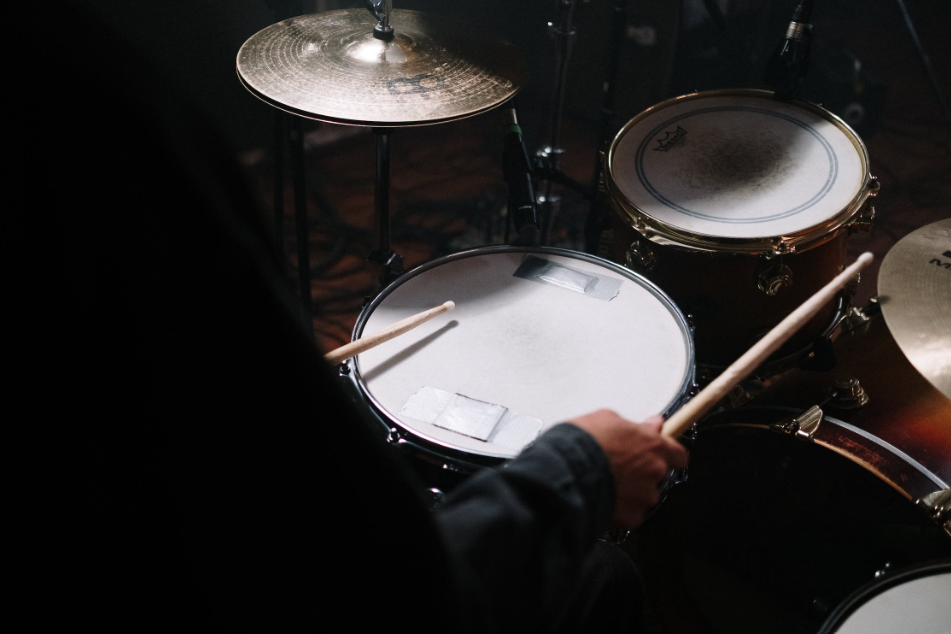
point(447, 180)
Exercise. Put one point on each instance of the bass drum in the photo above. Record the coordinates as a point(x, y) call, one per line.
point(779, 521)
point(537, 337)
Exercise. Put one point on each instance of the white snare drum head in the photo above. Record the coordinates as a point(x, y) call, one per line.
point(737, 166)
point(538, 349)
point(919, 605)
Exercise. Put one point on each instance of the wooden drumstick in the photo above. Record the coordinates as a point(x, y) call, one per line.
point(363, 344)
point(696, 407)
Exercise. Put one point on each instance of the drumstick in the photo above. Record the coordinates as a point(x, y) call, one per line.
point(363, 344)
point(752, 358)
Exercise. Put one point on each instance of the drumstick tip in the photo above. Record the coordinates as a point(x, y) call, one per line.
point(449, 305)
point(865, 259)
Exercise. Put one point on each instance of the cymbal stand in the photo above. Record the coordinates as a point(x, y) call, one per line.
point(391, 262)
point(549, 154)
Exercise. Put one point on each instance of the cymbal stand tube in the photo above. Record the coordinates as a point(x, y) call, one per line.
point(300, 217)
point(564, 35)
point(384, 255)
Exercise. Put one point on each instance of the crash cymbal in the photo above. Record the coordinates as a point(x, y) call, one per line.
point(329, 66)
point(914, 286)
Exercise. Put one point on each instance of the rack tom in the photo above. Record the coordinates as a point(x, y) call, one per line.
point(739, 206)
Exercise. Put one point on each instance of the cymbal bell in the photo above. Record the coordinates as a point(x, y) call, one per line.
point(329, 66)
point(914, 285)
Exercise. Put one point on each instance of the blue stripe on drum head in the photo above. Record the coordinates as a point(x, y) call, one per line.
point(826, 187)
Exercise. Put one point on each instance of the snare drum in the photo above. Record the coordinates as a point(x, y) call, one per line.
point(537, 336)
point(738, 205)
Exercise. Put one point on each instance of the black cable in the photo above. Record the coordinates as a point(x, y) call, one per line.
point(926, 63)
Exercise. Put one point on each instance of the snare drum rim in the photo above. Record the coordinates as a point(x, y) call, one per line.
point(873, 588)
point(390, 420)
point(664, 233)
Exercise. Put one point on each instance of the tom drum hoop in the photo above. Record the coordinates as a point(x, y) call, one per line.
point(739, 206)
point(537, 336)
point(914, 599)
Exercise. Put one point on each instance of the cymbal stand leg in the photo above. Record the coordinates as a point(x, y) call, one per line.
point(384, 255)
point(564, 35)
point(300, 220)
point(280, 145)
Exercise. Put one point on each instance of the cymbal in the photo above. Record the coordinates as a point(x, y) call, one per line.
point(329, 66)
point(914, 286)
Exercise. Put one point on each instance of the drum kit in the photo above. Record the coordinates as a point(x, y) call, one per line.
point(729, 209)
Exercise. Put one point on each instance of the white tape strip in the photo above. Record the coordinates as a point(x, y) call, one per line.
point(585, 282)
point(487, 422)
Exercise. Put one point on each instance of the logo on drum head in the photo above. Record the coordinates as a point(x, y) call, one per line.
point(938, 262)
point(670, 139)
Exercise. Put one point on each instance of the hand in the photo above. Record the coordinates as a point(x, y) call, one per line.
point(640, 459)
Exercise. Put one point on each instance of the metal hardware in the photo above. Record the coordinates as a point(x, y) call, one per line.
point(801, 427)
point(774, 278)
point(884, 570)
point(381, 10)
point(640, 256)
point(343, 369)
point(848, 393)
point(853, 319)
point(852, 286)
point(863, 221)
point(435, 497)
point(938, 507)
point(393, 436)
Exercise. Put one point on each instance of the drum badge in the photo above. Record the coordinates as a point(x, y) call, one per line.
point(670, 140)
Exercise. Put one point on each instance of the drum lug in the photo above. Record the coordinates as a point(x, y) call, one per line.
point(863, 221)
point(773, 278)
point(393, 436)
point(848, 393)
point(343, 369)
point(803, 426)
point(640, 256)
point(938, 506)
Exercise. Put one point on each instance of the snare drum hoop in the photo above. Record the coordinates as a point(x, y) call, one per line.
point(447, 450)
point(878, 586)
point(664, 233)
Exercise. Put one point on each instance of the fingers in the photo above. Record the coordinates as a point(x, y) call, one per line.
point(676, 453)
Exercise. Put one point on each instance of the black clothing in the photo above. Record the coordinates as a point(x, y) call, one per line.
point(210, 472)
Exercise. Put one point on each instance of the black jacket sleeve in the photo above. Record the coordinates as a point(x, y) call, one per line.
point(518, 534)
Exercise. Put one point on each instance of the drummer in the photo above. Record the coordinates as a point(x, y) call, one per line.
point(215, 474)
